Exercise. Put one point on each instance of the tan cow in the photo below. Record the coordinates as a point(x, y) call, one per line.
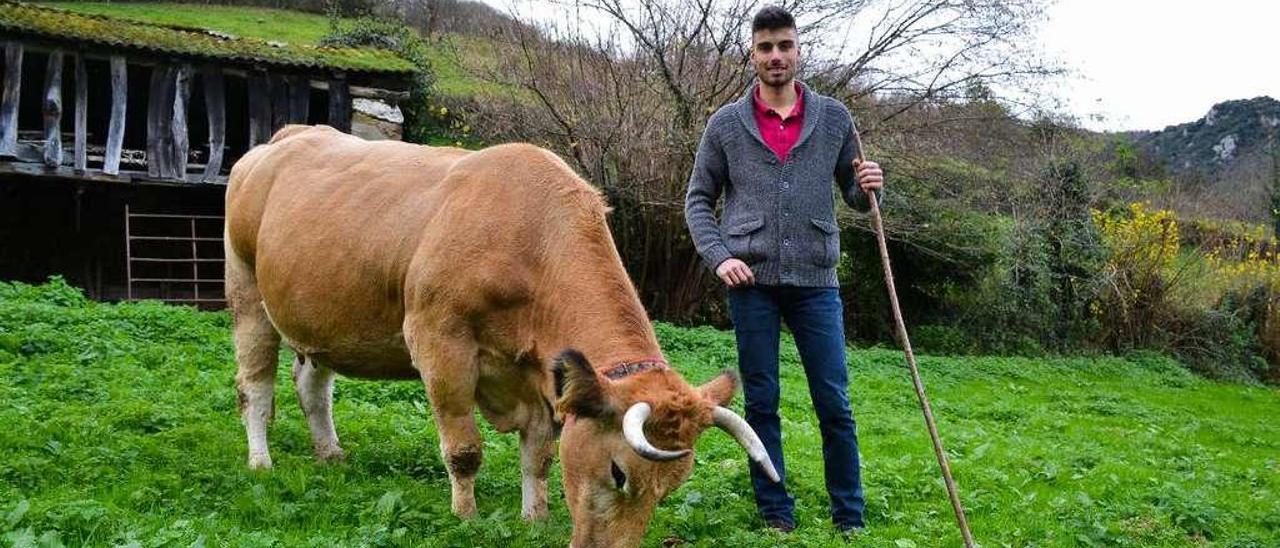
point(490, 276)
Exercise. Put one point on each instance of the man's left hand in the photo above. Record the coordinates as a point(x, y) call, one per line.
point(870, 177)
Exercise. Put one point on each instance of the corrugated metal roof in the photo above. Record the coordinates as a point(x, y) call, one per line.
point(49, 22)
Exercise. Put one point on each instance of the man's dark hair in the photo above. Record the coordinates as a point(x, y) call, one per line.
point(772, 18)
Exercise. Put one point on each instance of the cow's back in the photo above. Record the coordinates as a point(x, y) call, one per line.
point(328, 223)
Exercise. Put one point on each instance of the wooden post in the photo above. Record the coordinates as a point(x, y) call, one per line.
point(279, 102)
point(215, 105)
point(82, 114)
point(119, 102)
point(53, 110)
point(299, 99)
point(180, 144)
point(340, 105)
point(9, 103)
point(159, 119)
point(259, 109)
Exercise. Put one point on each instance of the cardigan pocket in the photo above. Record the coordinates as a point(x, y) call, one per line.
point(826, 249)
point(743, 240)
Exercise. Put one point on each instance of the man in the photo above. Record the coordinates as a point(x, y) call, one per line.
point(773, 155)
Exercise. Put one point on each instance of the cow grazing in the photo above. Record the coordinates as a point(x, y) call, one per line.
point(493, 278)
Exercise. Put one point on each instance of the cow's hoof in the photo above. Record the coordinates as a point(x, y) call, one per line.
point(534, 514)
point(332, 455)
point(465, 511)
point(260, 462)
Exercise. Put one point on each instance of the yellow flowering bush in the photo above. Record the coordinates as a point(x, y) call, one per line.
point(1139, 274)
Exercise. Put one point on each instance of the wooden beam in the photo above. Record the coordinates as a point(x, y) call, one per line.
point(279, 102)
point(9, 102)
point(119, 102)
point(259, 109)
point(299, 99)
point(159, 120)
point(340, 105)
point(52, 109)
point(215, 104)
point(180, 143)
point(384, 95)
point(82, 115)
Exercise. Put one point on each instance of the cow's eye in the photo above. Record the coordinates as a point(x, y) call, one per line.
point(619, 478)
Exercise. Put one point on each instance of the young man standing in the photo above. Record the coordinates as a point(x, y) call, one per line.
point(773, 155)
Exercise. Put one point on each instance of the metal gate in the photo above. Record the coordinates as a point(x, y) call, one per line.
point(175, 258)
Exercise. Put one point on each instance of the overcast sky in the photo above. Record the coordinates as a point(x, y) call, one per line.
point(1147, 64)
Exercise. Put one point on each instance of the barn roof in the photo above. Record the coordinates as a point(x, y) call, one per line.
point(61, 25)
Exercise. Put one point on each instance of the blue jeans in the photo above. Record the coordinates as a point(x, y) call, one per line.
point(815, 317)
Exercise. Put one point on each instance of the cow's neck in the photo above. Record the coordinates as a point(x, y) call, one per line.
point(597, 311)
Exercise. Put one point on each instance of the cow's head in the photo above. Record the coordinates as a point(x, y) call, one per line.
point(627, 443)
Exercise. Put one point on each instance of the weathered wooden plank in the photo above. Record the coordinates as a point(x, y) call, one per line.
point(180, 143)
point(340, 105)
point(82, 115)
point(52, 110)
point(259, 109)
point(299, 99)
point(119, 102)
point(159, 120)
point(215, 105)
point(9, 102)
point(279, 102)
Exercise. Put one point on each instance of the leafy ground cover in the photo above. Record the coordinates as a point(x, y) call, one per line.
point(295, 28)
point(120, 428)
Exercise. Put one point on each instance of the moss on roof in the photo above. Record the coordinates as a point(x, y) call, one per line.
point(60, 24)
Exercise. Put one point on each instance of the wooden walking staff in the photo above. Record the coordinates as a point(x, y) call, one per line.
point(911, 360)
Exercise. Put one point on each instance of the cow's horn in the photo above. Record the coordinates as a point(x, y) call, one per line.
point(633, 431)
point(741, 431)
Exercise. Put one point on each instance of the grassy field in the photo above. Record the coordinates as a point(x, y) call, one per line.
point(120, 428)
point(295, 28)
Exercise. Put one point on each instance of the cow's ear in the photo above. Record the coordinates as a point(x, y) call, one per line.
point(578, 387)
point(720, 390)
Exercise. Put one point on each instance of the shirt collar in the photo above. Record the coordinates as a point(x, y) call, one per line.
point(763, 108)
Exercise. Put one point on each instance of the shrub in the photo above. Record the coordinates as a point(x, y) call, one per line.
point(1140, 275)
point(388, 34)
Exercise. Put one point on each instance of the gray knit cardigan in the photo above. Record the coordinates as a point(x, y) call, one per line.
point(778, 217)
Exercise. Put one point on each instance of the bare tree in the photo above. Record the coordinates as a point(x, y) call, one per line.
point(626, 100)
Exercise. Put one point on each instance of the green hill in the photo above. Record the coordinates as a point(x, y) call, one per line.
point(121, 428)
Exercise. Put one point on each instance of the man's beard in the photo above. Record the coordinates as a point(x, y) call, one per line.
point(781, 79)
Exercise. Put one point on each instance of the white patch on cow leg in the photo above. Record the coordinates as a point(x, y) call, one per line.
point(257, 412)
point(314, 386)
point(537, 445)
point(464, 496)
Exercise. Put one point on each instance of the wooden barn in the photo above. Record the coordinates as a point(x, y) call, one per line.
point(116, 138)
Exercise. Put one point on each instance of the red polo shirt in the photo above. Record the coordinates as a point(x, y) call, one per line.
point(779, 133)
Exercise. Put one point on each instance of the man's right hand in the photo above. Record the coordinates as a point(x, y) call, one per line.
point(735, 273)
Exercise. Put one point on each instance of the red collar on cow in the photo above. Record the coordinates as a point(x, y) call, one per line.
point(631, 367)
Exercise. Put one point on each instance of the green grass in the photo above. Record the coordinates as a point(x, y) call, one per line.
point(119, 426)
point(298, 28)
point(262, 23)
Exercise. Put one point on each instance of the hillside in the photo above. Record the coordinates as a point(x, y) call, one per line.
point(121, 429)
point(1231, 130)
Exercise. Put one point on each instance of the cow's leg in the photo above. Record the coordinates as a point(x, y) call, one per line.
point(257, 351)
point(314, 384)
point(537, 446)
point(447, 362)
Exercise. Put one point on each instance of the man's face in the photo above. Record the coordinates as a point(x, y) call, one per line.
point(775, 54)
